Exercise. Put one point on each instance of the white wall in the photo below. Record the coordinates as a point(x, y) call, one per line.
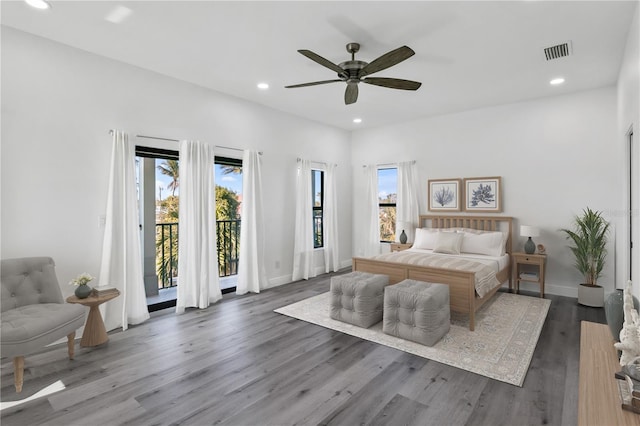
point(58, 104)
point(556, 156)
point(629, 118)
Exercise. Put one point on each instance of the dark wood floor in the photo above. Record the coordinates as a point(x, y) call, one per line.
point(239, 363)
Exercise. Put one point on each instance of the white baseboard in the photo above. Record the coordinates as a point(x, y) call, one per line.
point(286, 279)
point(549, 288)
point(277, 281)
point(346, 263)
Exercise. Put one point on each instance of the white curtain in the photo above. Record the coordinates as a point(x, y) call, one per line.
point(372, 220)
point(251, 271)
point(303, 242)
point(198, 284)
point(121, 265)
point(407, 203)
point(330, 220)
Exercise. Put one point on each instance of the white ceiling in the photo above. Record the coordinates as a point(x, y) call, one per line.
point(468, 54)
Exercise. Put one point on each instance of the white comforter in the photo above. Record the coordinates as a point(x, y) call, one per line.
point(484, 267)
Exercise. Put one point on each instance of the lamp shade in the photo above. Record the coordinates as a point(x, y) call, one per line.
point(529, 231)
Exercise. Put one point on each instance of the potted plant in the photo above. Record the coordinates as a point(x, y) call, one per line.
point(82, 282)
point(589, 238)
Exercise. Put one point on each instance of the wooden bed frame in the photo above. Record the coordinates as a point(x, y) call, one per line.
point(462, 294)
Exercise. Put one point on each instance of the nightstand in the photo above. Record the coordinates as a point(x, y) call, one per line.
point(400, 246)
point(538, 260)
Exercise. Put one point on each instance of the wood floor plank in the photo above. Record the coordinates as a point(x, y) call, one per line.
point(290, 397)
point(402, 411)
point(450, 394)
point(239, 363)
point(364, 404)
point(361, 363)
point(216, 387)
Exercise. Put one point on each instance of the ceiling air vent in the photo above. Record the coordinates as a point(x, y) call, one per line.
point(557, 51)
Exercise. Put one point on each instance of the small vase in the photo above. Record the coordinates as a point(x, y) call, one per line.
point(614, 311)
point(83, 291)
point(529, 246)
point(403, 238)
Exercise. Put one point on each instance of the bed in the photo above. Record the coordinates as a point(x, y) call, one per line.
point(464, 297)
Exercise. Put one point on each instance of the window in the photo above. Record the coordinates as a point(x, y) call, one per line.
point(387, 197)
point(228, 177)
point(159, 196)
point(317, 188)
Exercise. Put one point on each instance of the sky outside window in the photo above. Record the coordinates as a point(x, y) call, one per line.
point(387, 183)
point(231, 181)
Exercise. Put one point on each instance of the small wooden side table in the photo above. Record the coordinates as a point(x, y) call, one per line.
point(400, 246)
point(538, 260)
point(95, 332)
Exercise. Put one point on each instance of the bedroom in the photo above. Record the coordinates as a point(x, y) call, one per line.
point(59, 102)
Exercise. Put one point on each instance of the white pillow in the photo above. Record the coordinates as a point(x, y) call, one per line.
point(448, 242)
point(487, 243)
point(425, 238)
point(505, 237)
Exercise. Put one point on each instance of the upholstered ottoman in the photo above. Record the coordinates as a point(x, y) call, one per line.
point(357, 298)
point(417, 311)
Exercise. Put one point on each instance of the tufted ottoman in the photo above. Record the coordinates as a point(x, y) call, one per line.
point(357, 298)
point(417, 311)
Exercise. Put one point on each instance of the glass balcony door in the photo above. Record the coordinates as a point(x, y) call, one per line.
point(159, 195)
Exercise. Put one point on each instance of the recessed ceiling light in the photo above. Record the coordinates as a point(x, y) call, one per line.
point(118, 14)
point(38, 4)
point(357, 120)
point(557, 81)
point(263, 86)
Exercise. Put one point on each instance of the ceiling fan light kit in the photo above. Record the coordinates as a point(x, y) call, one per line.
point(353, 72)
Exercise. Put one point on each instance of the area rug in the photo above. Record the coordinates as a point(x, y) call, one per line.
point(501, 347)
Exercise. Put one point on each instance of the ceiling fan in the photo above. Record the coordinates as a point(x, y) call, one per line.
point(353, 72)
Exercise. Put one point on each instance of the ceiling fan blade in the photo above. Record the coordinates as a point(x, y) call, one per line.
point(351, 94)
point(322, 61)
point(315, 83)
point(387, 60)
point(393, 83)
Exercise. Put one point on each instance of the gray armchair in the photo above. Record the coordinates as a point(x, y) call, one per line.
point(33, 314)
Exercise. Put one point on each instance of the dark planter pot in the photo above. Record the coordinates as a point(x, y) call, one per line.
point(614, 311)
point(83, 291)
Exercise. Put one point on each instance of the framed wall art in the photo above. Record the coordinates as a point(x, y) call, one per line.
point(483, 194)
point(444, 195)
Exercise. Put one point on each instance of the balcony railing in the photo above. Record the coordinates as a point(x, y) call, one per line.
point(167, 254)
point(318, 227)
point(228, 236)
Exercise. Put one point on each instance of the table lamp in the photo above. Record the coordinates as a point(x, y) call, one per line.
point(529, 231)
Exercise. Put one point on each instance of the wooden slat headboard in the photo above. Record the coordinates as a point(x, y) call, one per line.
point(482, 223)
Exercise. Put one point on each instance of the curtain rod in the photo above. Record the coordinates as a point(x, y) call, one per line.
point(157, 138)
point(317, 162)
point(176, 140)
point(387, 164)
